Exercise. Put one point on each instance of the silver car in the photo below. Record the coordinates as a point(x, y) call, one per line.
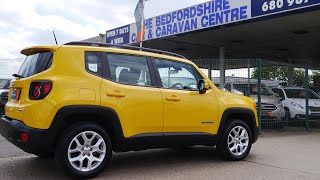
point(4, 90)
point(272, 109)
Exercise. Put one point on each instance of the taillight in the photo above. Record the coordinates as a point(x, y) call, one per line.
point(39, 89)
point(36, 90)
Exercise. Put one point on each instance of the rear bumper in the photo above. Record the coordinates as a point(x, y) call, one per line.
point(39, 141)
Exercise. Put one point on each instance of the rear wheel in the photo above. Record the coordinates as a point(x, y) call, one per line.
point(84, 150)
point(236, 140)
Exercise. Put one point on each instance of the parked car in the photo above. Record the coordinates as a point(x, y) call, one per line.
point(272, 110)
point(82, 101)
point(294, 100)
point(4, 90)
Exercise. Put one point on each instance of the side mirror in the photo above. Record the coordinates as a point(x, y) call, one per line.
point(281, 98)
point(203, 86)
point(173, 72)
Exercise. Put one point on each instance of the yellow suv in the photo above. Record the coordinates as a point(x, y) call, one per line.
point(81, 101)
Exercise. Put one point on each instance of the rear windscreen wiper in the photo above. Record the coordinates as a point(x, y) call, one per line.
point(17, 75)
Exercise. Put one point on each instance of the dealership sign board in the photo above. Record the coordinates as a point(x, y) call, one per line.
point(206, 15)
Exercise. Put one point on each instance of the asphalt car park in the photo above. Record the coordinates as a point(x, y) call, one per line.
point(277, 155)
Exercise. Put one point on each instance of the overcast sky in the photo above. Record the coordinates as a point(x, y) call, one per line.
point(26, 23)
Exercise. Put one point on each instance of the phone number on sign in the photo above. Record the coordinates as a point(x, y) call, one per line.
point(278, 4)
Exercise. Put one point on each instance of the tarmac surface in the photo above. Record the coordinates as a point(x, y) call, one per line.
point(284, 155)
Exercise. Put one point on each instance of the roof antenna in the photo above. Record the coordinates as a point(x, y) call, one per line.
point(54, 35)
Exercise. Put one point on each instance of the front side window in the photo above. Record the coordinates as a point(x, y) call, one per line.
point(176, 75)
point(128, 69)
point(301, 94)
point(243, 88)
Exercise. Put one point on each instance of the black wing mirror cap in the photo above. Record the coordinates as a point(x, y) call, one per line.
point(203, 86)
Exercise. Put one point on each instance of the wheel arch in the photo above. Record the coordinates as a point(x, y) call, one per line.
point(244, 114)
point(69, 115)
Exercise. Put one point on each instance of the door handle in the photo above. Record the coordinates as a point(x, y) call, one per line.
point(173, 98)
point(116, 94)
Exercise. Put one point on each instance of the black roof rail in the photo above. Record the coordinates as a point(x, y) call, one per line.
point(86, 43)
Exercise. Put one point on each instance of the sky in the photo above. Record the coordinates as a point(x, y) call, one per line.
point(27, 23)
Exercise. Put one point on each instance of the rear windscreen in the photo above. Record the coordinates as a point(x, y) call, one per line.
point(35, 64)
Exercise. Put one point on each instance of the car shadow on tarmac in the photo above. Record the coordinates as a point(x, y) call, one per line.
point(160, 160)
point(130, 163)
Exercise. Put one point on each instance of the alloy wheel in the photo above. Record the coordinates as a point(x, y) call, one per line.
point(86, 151)
point(238, 140)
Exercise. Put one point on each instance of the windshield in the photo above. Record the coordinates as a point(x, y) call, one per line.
point(4, 83)
point(243, 88)
point(300, 94)
point(35, 64)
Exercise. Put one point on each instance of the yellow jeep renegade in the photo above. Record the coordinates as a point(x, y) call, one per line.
point(81, 101)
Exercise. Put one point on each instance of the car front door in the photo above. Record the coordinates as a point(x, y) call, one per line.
point(185, 109)
point(129, 89)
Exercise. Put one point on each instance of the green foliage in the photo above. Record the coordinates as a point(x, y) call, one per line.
point(316, 73)
point(280, 73)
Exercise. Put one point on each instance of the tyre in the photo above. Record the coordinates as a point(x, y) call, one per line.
point(288, 120)
point(84, 150)
point(236, 140)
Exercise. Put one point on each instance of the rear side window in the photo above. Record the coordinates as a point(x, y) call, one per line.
point(35, 64)
point(93, 62)
point(128, 69)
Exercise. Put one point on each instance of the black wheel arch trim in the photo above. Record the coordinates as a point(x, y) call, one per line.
point(239, 111)
point(60, 121)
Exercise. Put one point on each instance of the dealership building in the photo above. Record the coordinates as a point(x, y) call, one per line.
point(285, 31)
point(223, 36)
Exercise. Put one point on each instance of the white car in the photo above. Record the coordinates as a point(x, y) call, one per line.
point(272, 110)
point(294, 101)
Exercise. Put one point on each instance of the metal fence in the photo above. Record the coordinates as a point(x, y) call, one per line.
point(287, 95)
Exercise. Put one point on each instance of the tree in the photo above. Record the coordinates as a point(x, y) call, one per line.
point(280, 73)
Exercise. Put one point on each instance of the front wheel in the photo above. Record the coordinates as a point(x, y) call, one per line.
point(84, 150)
point(236, 141)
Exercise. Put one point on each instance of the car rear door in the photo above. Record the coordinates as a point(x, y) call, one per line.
point(129, 88)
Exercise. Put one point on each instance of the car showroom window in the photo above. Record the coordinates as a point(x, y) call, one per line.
point(176, 75)
point(128, 69)
point(93, 62)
